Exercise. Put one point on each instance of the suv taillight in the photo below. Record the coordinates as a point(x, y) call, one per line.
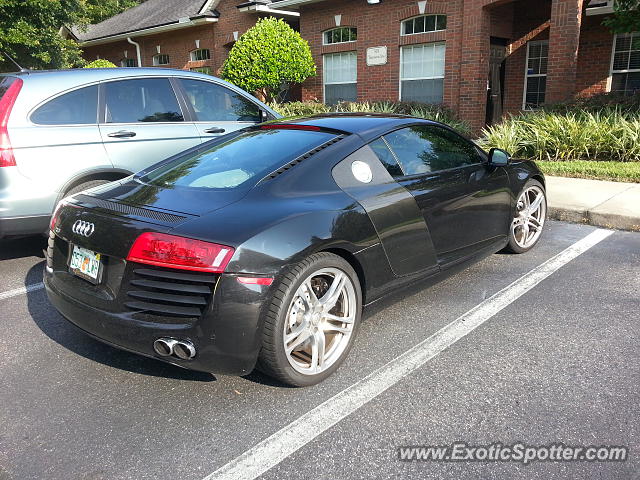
point(179, 252)
point(6, 104)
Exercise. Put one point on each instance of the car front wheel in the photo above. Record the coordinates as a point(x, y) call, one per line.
point(312, 321)
point(528, 222)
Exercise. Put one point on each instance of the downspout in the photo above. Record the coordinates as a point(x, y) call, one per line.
point(137, 50)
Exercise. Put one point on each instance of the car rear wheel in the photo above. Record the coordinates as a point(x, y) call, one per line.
point(528, 222)
point(312, 321)
point(85, 186)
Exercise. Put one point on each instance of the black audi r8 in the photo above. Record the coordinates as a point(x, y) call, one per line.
point(262, 247)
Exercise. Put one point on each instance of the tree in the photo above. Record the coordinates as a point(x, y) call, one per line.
point(30, 30)
point(30, 33)
point(267, 58)
point(100, 63)
point(626, 16)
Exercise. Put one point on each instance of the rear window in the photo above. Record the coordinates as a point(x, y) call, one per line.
point(79, 107)
point(239, 162)
point(5, 83)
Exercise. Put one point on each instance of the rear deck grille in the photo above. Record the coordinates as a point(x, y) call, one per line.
point(163, 291)
point(130, 209)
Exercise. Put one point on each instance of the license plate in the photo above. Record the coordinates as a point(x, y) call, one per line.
point(85, 263)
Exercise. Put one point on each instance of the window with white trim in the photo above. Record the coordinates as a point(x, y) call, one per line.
point(424, 24)
point(625, 64)
point(200, 54)
point(161, 59)
point(340, 35)
point(128, 62)
point(340, 77)
point(535, 80)
point(422, 73)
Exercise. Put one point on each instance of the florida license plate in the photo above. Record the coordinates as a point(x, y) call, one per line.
point(85, 264)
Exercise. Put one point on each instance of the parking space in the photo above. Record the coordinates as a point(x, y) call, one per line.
point(558, 364)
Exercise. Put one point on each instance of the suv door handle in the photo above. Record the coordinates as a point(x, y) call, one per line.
point(214, 130)
point(121, 134)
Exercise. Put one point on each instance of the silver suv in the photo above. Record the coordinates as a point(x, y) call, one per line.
point(62, 132)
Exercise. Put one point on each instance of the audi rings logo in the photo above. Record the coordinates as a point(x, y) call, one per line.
point(80, 227)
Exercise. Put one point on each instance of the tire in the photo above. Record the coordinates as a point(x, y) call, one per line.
point(85, 186)
point(521, 237)
point(302, 318)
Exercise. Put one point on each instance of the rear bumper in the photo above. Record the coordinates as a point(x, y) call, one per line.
point(14, 226)
point(227, 338)
point(25, 205)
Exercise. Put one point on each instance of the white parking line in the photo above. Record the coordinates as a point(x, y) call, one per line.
point(274, 449)
point(21, 290)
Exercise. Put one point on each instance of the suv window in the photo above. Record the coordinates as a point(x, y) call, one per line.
point(238, 162)
point(215, 103)
point(79, 107)
point(425, 149)
point(143, 100)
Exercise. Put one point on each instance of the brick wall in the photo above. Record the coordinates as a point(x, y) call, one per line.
point(580, 47)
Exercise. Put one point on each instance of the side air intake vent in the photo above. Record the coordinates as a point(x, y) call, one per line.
point(130, 209)
point(301, 158)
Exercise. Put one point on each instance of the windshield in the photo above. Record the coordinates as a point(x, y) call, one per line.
point(239, 162)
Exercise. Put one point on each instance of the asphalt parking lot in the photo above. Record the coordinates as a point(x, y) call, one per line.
point(558, 363)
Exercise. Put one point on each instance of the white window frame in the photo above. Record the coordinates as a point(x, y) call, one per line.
point(527, 75)
point(324, 73)
point(613, 54)
point(125, 61)
point(424, 15)
point(192, 54)
point(324, 36)
point(156, 63)
point(419, 78)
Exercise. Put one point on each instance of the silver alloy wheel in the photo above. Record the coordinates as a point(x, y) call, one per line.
point(531, 211)
point(320, 321)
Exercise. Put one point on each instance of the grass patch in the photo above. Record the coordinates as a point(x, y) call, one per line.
point(615, 171)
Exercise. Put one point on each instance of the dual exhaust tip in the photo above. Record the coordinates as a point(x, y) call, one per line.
point(170, 347)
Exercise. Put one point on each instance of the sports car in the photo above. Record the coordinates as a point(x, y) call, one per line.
point(262, 248)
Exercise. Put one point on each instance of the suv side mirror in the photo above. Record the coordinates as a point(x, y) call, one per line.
point(264, 116)
point(498, 158)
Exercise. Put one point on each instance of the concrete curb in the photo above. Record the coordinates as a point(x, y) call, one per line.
point(605, 220)
point(600, 203)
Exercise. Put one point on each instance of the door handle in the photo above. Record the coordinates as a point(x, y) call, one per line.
point(214, 130)
point(121, 134)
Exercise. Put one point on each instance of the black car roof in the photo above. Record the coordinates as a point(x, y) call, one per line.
point(367, 125)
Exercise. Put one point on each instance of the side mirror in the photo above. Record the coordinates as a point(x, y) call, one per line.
point(264, 116)
point(498, 158)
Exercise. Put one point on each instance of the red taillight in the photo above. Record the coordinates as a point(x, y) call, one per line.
point(178, 252)
point(56, 212)
point(290, 126)
point(6, 104)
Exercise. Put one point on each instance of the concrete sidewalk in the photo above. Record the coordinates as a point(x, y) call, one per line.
point(599, 203)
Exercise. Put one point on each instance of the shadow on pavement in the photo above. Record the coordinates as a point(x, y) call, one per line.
point(54, 326)
point(23, 247)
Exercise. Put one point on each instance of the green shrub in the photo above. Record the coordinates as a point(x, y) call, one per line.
point(598, 103)
point(267, 58)
point(100, 63)
point(610, 134)
point(438, 113)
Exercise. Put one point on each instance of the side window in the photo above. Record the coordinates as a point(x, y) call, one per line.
point(79, 107)
point(143, 100)
point(215, 103)
point(386, 157)
point(424, 149)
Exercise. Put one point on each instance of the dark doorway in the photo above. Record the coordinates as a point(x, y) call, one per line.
point(495, 92)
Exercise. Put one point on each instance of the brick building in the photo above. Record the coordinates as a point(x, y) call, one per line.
point(480, 57)
point(186, 34)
